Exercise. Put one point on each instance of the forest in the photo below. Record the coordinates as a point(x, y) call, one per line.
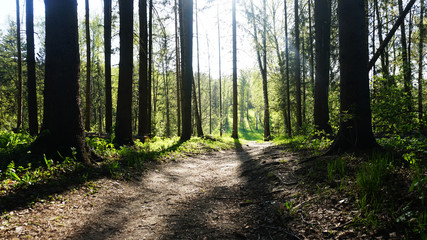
point(213, 119)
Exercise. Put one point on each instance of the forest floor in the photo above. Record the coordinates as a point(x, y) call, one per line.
point(255, 191)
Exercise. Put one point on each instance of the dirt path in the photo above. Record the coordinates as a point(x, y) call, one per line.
point(218, 195)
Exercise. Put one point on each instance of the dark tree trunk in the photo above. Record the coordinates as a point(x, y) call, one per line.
point(235, 117)
point(177, 66)
point(288, 97)
point(407, 85)
point(88, 69)
point(150, 70)
point(420, 65)
point(62, 129)
point(355, 131)
point(297, 67)
point(143, 74)
point(322, 18)
point(199, 128)
point(124, 99)
point(310, 27)
point(187, 65)
point(18, 40)
point(107, 45)
point(31, 72)
point(198, 62)
point(267, 135)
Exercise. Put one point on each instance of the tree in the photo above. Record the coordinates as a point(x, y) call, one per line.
point(355, 132)
point(143, 71)
point(62, 130)
point(297, 67)
point(31, 71)
point(406, 65)
point(177, 66)
point(288, 97)
point(420, 63)
point(187, 65)
point(150, 69)
point(322, 16)
point(124, 100)
point(220, 75)
point(18, 37)
point(88, 73)
point(235, 128)
point(107, 45)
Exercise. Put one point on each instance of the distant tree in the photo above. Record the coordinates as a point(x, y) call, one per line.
point(107, 44)
point(31, 71)
point(88, 69)
point(235, 117)
point(355, 132)
point(124, 100)
point(18, 37)
point(220, 74)
point(322, 16)
point(62, 131)
point(187, 66)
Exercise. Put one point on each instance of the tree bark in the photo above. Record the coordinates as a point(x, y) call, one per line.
point(62, 131)
point(107, 45)
point(31, 71)
point(150, 70)
point(18, 40)
point(88, 69)
point(177, 66)
point(322, 18)
point(288, 97)
point(187, 66)
point(406, 65)
point(297, 67)
point(220, 75)
point(124, 99)
point(420, 65)
point(355, 131)
point(143, 71)
point(235, 117)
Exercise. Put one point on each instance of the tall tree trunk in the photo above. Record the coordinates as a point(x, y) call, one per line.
point(62, 129)
point(143, 71)
point(107, 46)
point(297, 66)
point(420, 65)
point(405, 62)
point(288, 97)
point(267, 135)
point(355, 131)
point(322, 18)
point(18, 40)
point(220, 75)
point(198, 61)
point(177, 66)
point(88, 69)
point(310, 28)
point(187, 65)
point(304, 82)
point(235, 117)
point(210, 87)
point(31, 72)
point(150, 69)
point(124, 99)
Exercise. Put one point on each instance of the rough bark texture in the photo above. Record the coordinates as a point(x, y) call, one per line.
point(143, 71)
point(355, 131)
point(107, 45)
point(124, 98)
point(235, 117)
point(62, 128)
point(31, 72)
point(187, 66)
point(322, 16)
point(88, 69)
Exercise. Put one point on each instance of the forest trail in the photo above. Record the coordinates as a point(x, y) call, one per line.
point(216, 195)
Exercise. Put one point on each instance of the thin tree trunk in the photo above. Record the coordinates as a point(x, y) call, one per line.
point(210, 87)
point(150, 69)
point(310, 28)
point(18, 40)
point(143, 127)
point(88, 69)
point(220, 75)
point(297, 67)
point(420, 65)
point(177, 65)
point(124, 97)
point(199, 128)
point(198, 61)
point(405, 62)
point(304, 82)
point(235, 117)
point(107, 45)
point(31, 72)
point(288, 97)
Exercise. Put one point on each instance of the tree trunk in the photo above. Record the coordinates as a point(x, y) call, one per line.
point(150, 70)
point(322, 18)
point(199, 128)
point(177, 66)
point(107, 45)
point(220, 75)
point(297, 67)
point(235, 117)
point(210, 87)
point(288, 97)
point(198, 61)
point(62, 129)
point(405, 62)
point(420, 65)
point(18, 40)
point(310, 27)
point(187, 65)
point(31, 72)
point(88, 90)
point(124, 99)
point(143, 71)
point(355, 131)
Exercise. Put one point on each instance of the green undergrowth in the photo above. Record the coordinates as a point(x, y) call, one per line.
point(25, 178)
